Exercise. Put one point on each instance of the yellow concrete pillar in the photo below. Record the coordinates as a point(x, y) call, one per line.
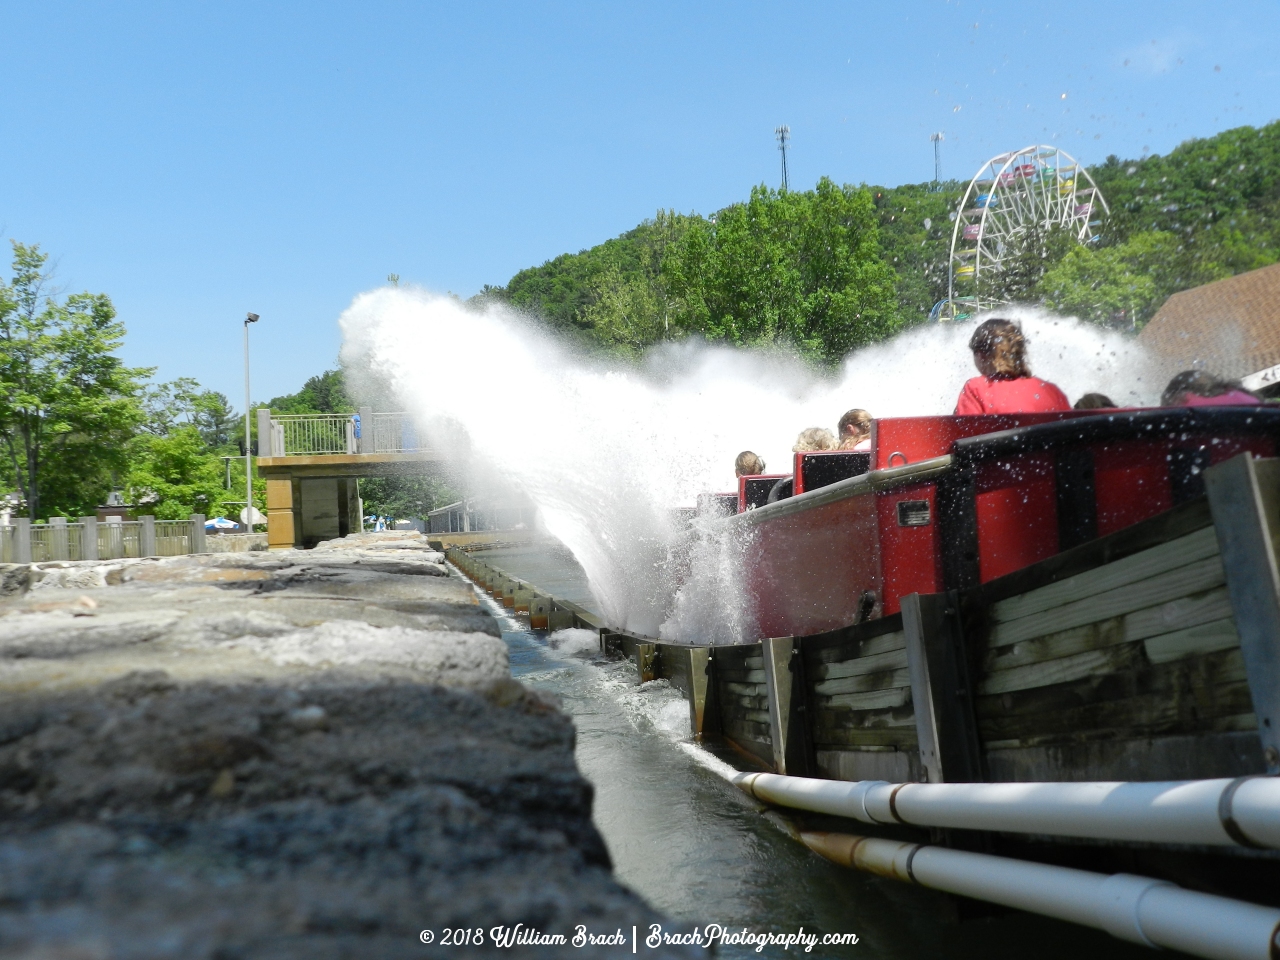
point(280, 526)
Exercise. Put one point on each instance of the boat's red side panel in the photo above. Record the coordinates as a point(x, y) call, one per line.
point(1131, 483)
point(837, 545)
point(1017, 506)
point(910, 558)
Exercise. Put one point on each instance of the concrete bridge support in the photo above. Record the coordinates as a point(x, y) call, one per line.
point(315, 498)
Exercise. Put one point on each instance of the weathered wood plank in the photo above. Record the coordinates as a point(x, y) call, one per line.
point(737, 704)
point(1190, 680)
point(844, 715)
point(1203, 611)
point(828, 725)
point(1062, 669)
point(830, 656)
point(746, 730)
point(1064, 643)
point(867, 737)
point(1202, 638)
point(1228, 708)
point(848, 642)
point(1141, 566)
point(872, 700)
point(876, 662)
point(739, 675)
point(1189, 611)
point(867, 681)
point(1172, 585)
point(1213, 726)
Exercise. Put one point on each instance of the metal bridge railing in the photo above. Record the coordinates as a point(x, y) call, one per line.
point(300, 435)
point(394, 433)
point(321, 434)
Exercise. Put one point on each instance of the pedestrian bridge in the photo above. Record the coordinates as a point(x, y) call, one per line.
point(313, 462)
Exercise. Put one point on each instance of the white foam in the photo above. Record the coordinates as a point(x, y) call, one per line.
point(711, 762)
point(573, 642)
point(606, 450)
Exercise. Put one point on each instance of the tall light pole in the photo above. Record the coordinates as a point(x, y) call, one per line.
point(937, 139)
point(783, 133)
point(248, 460)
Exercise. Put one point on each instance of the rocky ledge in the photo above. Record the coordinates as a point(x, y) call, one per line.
point(314, 754)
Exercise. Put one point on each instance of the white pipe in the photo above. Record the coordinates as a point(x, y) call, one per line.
point(1210, 812)
point(1151, 912)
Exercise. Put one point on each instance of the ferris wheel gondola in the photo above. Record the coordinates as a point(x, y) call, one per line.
point(1035, 188)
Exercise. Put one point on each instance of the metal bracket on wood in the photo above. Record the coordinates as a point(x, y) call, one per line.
point(941, 693)
point(646, 657)
point(558, 618)
point(1244, 495)
point(539, 611)
point(787, 720)
point(611, 643)
point(702, 706)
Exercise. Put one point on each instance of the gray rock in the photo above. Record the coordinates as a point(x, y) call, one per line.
point(288, 755)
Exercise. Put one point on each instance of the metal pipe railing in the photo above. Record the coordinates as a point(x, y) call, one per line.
point(1222, 812)
point(1155, 913)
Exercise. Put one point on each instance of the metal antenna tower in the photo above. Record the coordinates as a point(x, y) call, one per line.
point(783, 133)
point(937, 139)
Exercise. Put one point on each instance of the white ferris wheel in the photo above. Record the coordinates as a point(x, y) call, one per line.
point(1035, 187)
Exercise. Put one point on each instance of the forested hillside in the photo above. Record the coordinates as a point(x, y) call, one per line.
point(828, 269)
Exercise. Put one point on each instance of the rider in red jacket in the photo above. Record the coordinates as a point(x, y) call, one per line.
point(1006, 385)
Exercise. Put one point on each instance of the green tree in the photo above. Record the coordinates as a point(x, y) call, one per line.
point(798, 268)
point(1039, 249)
point(167, 405)
point(629, 313)
point(173, 475)
point(1126, 283)
point(215, 420)
point(67, 404)
point(585, 293)
point(324, 393)
point(915, 235)
point(405, 497)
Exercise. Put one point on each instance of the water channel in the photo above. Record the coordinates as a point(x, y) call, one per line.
point(701, 851)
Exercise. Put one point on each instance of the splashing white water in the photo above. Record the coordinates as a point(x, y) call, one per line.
point(605, 452)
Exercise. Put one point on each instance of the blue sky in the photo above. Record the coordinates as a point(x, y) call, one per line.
point(196, 161)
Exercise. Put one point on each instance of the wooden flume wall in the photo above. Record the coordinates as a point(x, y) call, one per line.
point(1117, 660)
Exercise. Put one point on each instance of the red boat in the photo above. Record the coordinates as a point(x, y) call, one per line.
point(943, 503)
point(1012, 619)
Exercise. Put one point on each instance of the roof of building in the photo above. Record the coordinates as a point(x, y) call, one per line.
point(1229, 327)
